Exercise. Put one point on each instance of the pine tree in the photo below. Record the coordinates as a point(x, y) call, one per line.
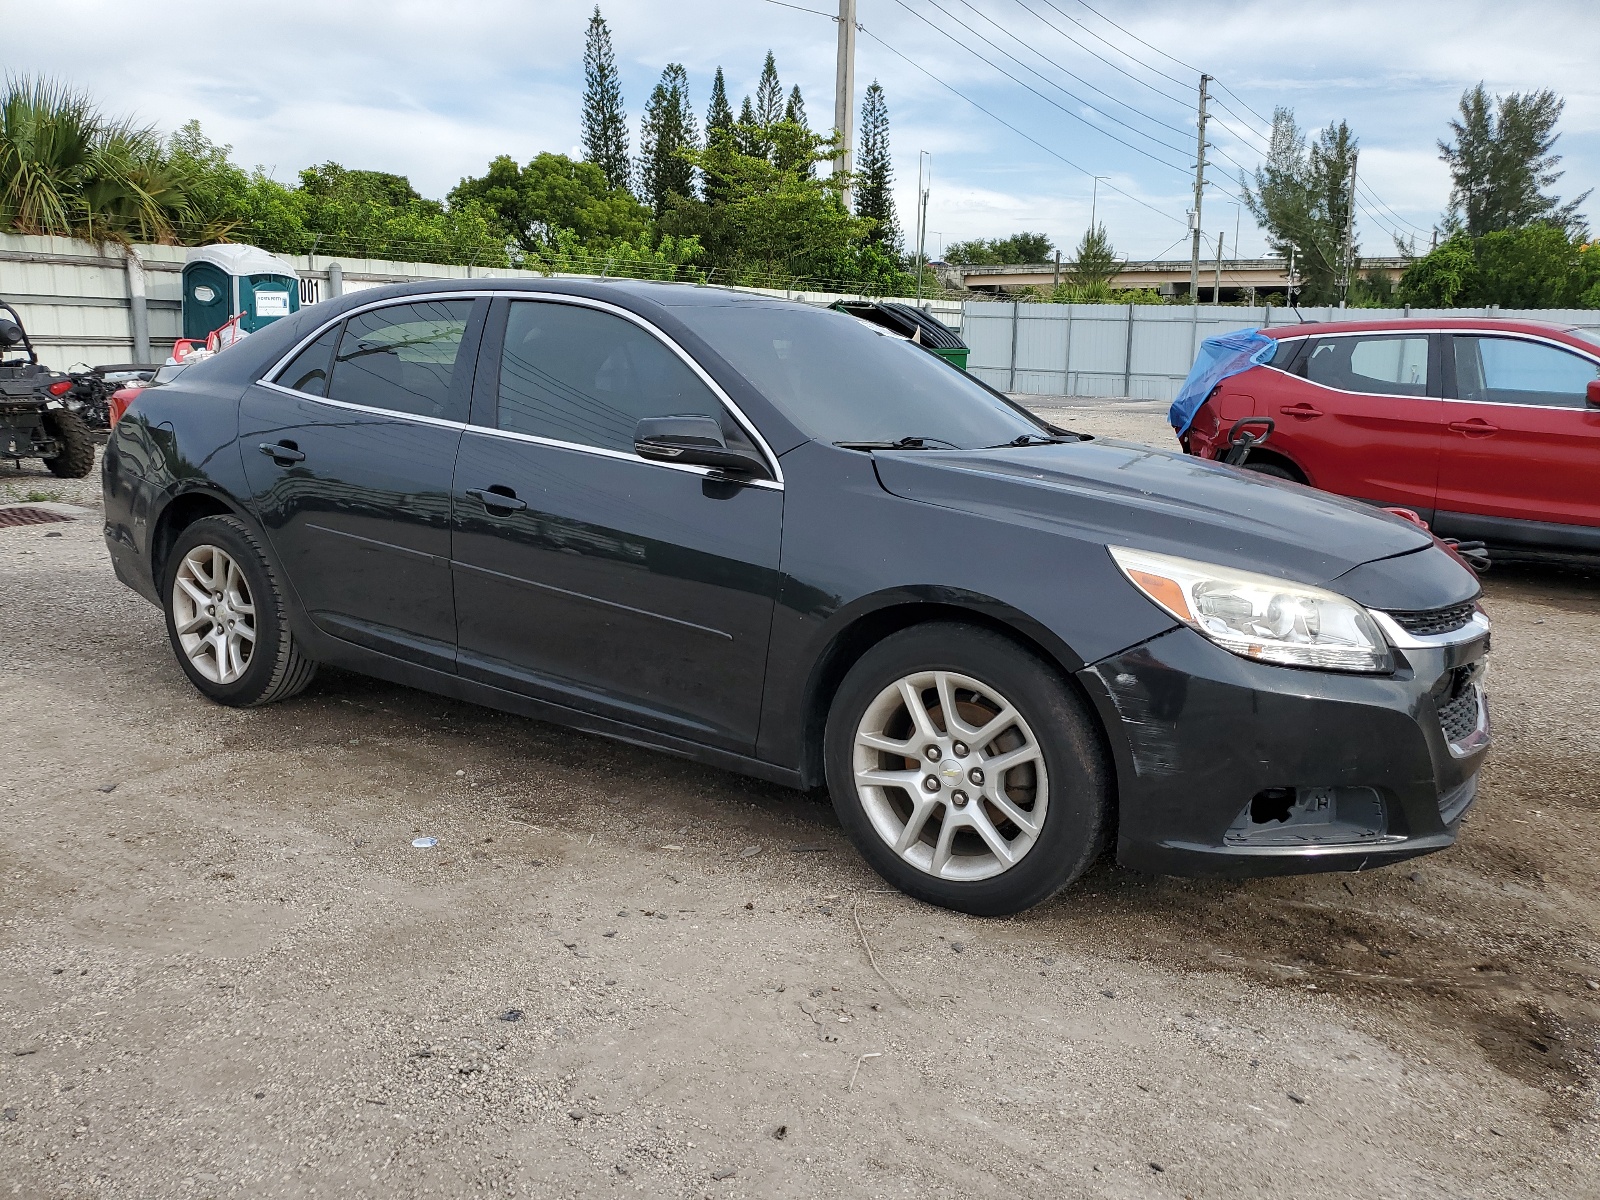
point(875, 192)
point(749, 137)
point(1301, 197)
point(769, 94)
point(719, 140)
point(1501, 162)
point(605, 125)
point(795, 110)
point(669, 128)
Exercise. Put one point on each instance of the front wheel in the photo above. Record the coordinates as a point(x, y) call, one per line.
point(226, 616)
point(966, 770)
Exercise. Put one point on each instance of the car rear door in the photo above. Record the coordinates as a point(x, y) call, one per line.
point(1361, 415)
point(587, 575)
point(349, 452)
point(1521, 442)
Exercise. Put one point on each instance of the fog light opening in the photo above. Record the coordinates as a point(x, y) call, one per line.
point(1272, 806)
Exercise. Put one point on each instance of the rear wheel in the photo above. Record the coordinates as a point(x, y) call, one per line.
point(966, 770)
point(1273, 469)
point(74, 456)
point(226, 617)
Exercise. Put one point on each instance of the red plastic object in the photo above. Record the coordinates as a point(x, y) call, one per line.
point(120, 399)
point(60, 387)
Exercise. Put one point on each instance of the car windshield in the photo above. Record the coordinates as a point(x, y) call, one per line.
point(842, 381)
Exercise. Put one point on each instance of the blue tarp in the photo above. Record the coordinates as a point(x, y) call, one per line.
point(1220, 357)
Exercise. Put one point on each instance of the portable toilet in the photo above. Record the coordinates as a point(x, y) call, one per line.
point(225, 280)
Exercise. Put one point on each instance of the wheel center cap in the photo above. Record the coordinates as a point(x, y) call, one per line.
point(950, 771)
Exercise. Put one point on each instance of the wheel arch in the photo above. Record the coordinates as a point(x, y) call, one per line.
point(182, 511)
point(870, 622)
point(1278, 458)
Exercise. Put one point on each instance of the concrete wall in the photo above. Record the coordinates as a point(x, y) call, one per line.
point(75, 297)
point(1142, 351)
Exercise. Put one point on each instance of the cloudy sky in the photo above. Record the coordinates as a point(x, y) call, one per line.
point(433, 90)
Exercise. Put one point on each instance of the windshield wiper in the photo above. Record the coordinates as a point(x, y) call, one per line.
point(1035, 439)
point(905, 443)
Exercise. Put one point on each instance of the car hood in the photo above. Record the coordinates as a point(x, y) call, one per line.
point(1123, 493)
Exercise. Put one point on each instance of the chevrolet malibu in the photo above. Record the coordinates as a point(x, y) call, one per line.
point(777, 540)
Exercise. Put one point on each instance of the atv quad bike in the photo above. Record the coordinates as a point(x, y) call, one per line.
point(37, 417)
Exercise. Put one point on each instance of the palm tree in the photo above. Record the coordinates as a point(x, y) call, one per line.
point(65, 169)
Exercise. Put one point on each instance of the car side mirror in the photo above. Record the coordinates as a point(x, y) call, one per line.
point(697, 441)
point(1592, 393)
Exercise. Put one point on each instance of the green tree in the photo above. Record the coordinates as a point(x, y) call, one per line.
point(552, 194)
point(1095, 262)
point(749, 135)
point(604, 124)
point(875, 189)
point(636, 258)
point(1301, 198)
point(769, 94)
point(1444, 277)
point(67, 169)
point(218, 189)
point(720, 137)
point(1502, 162)
point(795, 110)
point(668, 133)
point(994, 252)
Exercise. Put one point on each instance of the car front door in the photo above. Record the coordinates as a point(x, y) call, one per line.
point(587, 575)
point(1521, 442)
point(1361, 415)
point(349, 452)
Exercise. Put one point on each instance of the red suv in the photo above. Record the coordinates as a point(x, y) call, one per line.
point(1489, 429)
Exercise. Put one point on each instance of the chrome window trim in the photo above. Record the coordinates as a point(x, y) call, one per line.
point(395, 413)
point(622, 455)
point(270, 375)
point(1518, 335)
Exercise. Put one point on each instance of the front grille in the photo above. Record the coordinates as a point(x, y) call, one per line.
point(1435, 620)
point(1459, 717)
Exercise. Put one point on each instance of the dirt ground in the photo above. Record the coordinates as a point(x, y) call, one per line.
point(227, 971)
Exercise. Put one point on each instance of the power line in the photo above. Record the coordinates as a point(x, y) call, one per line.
point(1100, 57)
point(816, 12)
point(1097, 37)
point(1026, 137)
point(1040, 54)
point(1035, 91)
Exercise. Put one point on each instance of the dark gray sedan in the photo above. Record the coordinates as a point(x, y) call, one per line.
point(777, 540)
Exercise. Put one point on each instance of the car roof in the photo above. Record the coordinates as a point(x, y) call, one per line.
point(1400, 324)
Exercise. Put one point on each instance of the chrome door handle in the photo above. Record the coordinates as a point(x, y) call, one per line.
point(283, 453)
point(504, 501)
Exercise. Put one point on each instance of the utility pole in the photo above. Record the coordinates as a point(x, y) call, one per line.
point(1094, 197)
point(1199, 197)
point(1349, 233)
point(922, 216)
point(844, 94)
point(1216, 283)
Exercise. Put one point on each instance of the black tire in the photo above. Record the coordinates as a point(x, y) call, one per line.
point(75, 457)
point(1272, 469)
point(1077, 821)
point(276, 668)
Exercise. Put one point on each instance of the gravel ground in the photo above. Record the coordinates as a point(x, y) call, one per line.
point(229, 973)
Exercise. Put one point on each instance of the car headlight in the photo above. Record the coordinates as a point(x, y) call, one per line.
point(1257, 616)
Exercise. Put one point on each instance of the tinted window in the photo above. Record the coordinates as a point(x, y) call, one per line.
point(576, 374)
point(308, 372)
point(1510, 371)
point(839, 380)
point(402, 357)
point(1387, 366)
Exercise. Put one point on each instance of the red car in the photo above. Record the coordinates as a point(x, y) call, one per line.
point(1489, 429)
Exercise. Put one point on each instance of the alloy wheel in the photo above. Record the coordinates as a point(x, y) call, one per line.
point(213, 614)
point(950, 775)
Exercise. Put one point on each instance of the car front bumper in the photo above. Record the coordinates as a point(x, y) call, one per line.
point(1231, 767)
